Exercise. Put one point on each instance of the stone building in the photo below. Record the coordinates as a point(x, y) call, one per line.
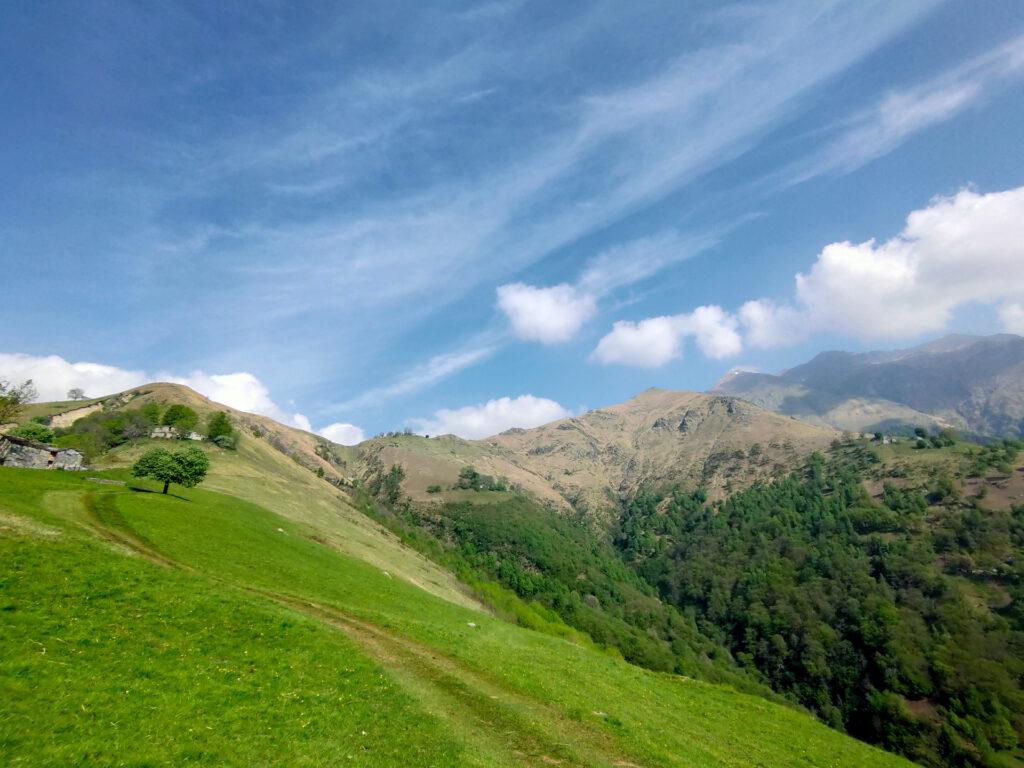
point(18, 452)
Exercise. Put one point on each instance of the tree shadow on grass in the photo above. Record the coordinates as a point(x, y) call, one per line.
point(158, 493)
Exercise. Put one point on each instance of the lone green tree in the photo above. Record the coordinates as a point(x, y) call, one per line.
point(187, 468)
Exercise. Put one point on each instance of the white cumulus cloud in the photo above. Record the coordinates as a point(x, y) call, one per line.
point(302, 422)
point(767, 324)
point(548, 315)
point(649, 343)
point(963, 249)
point(343, 434)
point(655, 341)
point(476, 421)
point(714, 329)
point(53, 376)
point(960, 249)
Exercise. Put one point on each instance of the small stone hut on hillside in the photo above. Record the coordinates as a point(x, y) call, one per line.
point(19, 452)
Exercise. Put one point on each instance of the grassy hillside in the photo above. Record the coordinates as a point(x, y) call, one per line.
point(200, 628)
point(275, 466)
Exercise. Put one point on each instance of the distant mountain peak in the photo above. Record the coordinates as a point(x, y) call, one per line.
point(972, 383)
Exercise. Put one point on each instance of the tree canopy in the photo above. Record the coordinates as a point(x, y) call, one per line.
point(187, 468)
point(859, 608)
point(181, 417)
point(221, 431)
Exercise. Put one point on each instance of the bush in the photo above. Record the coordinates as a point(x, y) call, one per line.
point(34, 431)
point(221, 431)
point(181, 417)
point(151, 412)
point(433, 489)
point(386, 485)
point(228, 442)
point(471, 480)
point(100, 431)
point(87, 445)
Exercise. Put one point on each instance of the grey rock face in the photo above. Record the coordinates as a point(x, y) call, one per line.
point(17, 452)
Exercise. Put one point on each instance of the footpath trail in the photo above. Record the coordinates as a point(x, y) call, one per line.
point(499, 726)
point(493, 719)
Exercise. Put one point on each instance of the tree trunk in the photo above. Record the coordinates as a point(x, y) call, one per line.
point(165, 487)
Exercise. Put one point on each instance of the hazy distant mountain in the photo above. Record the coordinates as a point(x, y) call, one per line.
point(972, 383)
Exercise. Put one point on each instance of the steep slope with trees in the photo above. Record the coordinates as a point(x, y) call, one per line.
point(894, 615)
point(261, 618)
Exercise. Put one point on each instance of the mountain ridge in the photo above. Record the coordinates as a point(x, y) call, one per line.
point(974, 384)
point(587, 462)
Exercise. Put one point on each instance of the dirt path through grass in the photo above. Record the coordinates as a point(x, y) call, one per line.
point(489, 716)
point(500, 727)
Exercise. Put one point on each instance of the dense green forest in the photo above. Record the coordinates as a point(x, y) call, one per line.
point(561, 571)
point(897, 619)
point(892, 614)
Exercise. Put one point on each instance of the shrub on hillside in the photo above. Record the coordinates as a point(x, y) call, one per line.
point(386, 485)
point(471, 480)
point(181, 417)
point(103, 430)
point(33, 430)
point(151, 412)
point(221, 431)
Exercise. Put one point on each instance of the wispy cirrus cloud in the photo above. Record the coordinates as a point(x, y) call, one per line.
point(436, 369)
point(352, 198)
point(642, 140)
point(901, 113)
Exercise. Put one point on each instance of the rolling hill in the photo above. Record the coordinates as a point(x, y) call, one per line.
point(590, 461)
point(263, 619)
point(974, 384)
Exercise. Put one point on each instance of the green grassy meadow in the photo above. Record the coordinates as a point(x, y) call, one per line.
point(201, 629)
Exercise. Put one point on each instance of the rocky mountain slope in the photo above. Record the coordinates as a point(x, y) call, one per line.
point(589, 461)
point(971, 383)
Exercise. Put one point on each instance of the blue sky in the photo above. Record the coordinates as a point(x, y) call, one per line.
point(400, 214)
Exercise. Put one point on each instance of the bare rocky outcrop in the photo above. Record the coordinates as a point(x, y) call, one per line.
point(18, 452)
point(67, 418)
